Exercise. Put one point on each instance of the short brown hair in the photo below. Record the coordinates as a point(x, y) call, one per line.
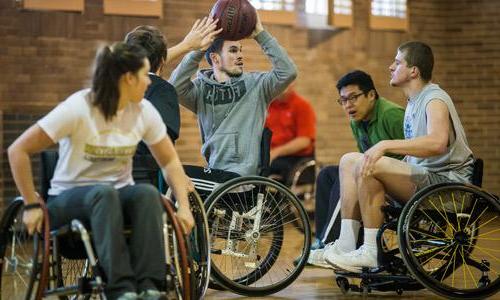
point(152, 40)
point(418, 54)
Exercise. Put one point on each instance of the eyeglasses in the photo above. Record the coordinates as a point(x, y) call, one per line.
point(352, 99)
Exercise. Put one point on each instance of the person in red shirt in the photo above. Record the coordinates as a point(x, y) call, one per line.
point(292, 120)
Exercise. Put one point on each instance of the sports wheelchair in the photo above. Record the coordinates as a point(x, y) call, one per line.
point(259, 231)
point(445, 239)
point(62, 263)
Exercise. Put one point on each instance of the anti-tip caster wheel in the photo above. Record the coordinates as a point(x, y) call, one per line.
point(343, 284)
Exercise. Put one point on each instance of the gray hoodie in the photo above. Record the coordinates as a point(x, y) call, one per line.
point(231, 115)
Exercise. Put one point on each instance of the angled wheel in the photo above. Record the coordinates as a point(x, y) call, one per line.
point(251, 219)
point(448, 235)
point(199, 249)
point(179, 276)
point(22, 257)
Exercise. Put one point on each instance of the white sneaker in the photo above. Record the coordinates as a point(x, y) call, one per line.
point(354, 261)
point(334, 248)
point(128, 296)
point(331, 250)
point(317, 259)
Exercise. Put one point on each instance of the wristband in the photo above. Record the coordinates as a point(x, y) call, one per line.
point(32, 206)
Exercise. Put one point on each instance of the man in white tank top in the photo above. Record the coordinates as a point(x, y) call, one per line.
point(436, 151)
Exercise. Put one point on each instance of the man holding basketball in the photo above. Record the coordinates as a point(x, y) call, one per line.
point(231, 104)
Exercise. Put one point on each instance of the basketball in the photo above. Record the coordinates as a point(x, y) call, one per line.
point(236, 17)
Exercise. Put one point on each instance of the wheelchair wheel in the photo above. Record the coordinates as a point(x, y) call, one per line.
point(21, 256)
point(448, 235)
point(250, 220)
point(69, 272)
point(179, 276)
point(199, 246)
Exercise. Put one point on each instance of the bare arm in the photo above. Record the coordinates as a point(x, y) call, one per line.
point(166, 157)
point(291, 147)
point(199, 37)
point(436, 140)
point(31, 141)
point(432, 144)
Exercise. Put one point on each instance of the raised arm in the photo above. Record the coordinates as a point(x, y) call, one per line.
point(199, 37)
point(284, 70)
point(181, 79)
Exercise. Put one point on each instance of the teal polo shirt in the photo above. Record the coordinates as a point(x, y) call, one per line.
point(386, 124)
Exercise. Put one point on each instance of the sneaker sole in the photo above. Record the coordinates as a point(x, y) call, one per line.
point(322, 265)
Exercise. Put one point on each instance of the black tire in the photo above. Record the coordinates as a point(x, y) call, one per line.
point(199, 246)
point(268, 268)
point(179, 273)
point(445, 234)
point(21, 257)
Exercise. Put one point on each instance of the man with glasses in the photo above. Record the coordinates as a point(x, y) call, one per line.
point(372, 119)
point(435, 149)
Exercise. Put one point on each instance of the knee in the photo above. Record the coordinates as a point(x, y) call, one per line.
point(104, 196)
point(147, 197)
point(349, 161)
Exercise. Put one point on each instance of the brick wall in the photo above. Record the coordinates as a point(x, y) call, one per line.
point(45, 56)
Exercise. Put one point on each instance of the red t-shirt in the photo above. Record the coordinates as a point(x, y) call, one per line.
point(291, 118)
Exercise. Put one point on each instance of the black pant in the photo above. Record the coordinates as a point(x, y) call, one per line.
point(328, 215)
point(135, 267)
point(285, 165)
point(327, 199)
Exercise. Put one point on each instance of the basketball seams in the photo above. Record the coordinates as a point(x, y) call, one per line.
point(236, 17)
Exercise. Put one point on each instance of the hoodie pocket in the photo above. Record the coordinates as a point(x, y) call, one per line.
point(224, 148)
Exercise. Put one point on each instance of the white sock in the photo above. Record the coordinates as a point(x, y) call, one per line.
point(349, 234)
point(370, 238)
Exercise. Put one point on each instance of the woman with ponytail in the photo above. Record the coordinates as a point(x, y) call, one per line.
point(98, 130)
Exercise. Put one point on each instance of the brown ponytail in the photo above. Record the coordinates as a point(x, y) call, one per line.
point(110, 64)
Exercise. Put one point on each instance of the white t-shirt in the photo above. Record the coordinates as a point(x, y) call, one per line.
point(93, 151)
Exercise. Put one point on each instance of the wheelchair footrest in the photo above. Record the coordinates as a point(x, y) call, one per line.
point(375, 280)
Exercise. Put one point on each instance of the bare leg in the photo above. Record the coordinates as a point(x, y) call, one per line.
point(390, 176)
point(348, 186)
point(373, 194)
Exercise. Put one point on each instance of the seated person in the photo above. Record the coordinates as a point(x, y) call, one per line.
point(230, 104)
point(372, 119)
point(292, 120)
point(435, 149)
point(98, 130)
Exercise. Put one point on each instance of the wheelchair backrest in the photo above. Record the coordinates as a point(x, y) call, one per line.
point(265, 152)
point(477, 172)
point(48, 162)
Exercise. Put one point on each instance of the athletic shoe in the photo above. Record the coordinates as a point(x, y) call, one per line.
point(355, 260)
point(318, 244)
point(316, 258)
point(128, 296)
point(334, 248)
point(152, 295)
